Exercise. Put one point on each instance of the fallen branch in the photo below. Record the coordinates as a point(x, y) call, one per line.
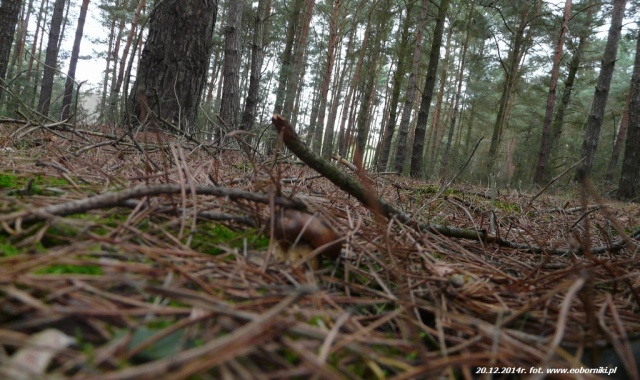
point(378, 205)
point(119, 198)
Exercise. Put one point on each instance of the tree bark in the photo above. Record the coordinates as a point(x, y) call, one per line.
point(328, 145)
point(127, 45)
point(437, 125)
point(405, 118)
point(630, 177)
point(454, 114)
point(298, 66)
point(230, 104)
point(172, 70)
point(343, 133)
point(286, 59)
point(50, 62)
point(75, 52)
point(107, 70)
point(398, 77)
point(328, 70)
point(423, 114)
point(114, 92)
point(619, 143)
point(543, 155)
point(257, 56)
point(574, 66)
point(511, 68)
point(9, 11)
point(596, 115)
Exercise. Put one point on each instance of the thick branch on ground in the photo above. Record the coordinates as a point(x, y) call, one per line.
point(376, 204)
point(119, 198)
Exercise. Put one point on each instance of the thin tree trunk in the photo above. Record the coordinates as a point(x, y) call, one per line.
point(445, 159)
point(105, 81)
point(343, 136)
point(230, 104)
point(18, 53)
point(435, 132)
point(113, 93)
point(328, 145)
point(75, 52)
point(37, 78)
point(543, 155)
point(287, 58)
point(398, 77)
point(430, 81)
point(511, 76)
point(127, 45)
point(629, 188)
point(257, 57)
point(412, 85)
point(601, 94)
point(36, 38)
point(620, 139)
point(328, 70)
point(50, 61)
point(298, 60)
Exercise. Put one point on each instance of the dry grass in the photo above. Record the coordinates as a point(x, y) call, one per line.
point(180, 286)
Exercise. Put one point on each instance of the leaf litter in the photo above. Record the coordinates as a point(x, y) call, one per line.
point(172, 275)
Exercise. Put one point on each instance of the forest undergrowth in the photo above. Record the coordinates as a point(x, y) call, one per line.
point(126, 257)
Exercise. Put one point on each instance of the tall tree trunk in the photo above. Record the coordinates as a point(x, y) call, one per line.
point(172, 70)
point(328, 70)
point(230, 104)
point(286, 60)
point(299, 57)
point(454, 115)
point(630, 177)
point(328, 145)
point(9, 11)
point(412, 85)
point(257, 56)
point(343, 134)
point(51, 58)
point(543, 155)
point(105, 80)
point(114, 92)
point(18, 52)
point(36, 51)
point(398, 77)
point(619, 143)
point(436, 129)
point(511, 69)
point(596, 115)
point(127, 45)
point(71, 75)
point(574, 66)
point(423, 114)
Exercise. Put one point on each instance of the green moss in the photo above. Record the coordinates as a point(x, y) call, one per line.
point(507, 206)
point(211, 236)
point(7, 249)
point(70, 269)
point(32, 184)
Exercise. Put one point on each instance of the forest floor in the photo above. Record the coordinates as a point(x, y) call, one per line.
point(106, 272)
